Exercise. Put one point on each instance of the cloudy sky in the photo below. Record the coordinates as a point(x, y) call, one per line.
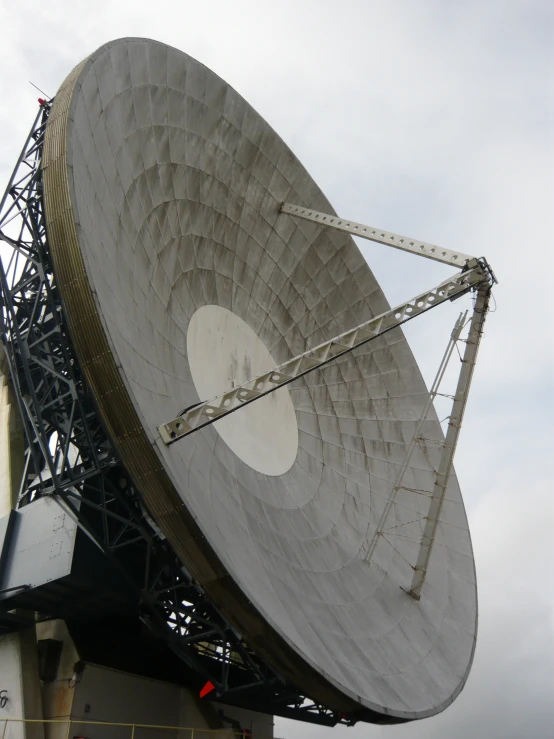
point(428, 118)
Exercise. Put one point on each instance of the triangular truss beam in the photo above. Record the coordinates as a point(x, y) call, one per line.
point(204, 413)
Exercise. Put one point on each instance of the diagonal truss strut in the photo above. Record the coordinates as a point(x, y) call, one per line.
point(206, 412)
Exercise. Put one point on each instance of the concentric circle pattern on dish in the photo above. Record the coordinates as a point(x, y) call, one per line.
point(162, 188)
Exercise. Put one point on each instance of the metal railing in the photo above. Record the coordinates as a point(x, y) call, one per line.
point(135, 730)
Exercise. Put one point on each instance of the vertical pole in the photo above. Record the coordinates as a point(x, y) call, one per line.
point(458, 326)
point(454, 426)
point(133, 732)
point(68, 729)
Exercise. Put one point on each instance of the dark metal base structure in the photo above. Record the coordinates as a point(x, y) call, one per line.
point(69, 457)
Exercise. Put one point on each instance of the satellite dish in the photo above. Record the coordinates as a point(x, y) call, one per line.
point(181, 279)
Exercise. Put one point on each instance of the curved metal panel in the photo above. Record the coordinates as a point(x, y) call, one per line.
point(162, 189)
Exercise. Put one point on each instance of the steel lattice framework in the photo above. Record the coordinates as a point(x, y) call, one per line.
point(69, 457)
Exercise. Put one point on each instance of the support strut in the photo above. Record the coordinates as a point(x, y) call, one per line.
point(204, 413)
point(404, 243)
point(452, 435)
point(379, 531)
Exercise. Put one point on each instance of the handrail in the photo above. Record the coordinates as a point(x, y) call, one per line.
point(194, 731)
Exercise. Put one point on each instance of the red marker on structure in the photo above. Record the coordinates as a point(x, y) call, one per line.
point(208, 687)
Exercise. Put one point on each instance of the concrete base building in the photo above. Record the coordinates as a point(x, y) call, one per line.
point(60, 695)
point(56, 678)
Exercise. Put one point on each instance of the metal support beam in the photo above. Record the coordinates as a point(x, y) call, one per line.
point(452, 435)
point(404, 243)
point(454, 338)
point(206, 412)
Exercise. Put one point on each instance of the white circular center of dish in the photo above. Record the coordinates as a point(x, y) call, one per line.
point(223, 352)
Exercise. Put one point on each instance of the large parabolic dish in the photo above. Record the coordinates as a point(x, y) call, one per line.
point(180, 278)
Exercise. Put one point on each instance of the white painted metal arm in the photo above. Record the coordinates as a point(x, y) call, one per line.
point(381, 525)
point(206, 412)
point(422, 248)
point(454, 426)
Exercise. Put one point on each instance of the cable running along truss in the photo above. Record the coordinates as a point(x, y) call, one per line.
point(69, 457)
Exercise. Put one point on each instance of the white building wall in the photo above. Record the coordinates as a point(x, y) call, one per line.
point(57, 695)
point(259, 724)
point(104, 694)
point(109, 695)
point(19, 678)
point(11, 682)
point(18, 652)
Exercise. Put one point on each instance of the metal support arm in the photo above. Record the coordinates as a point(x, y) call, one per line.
point(206, 412)
point(404, 243)
point(451, 440)
point(380, 530)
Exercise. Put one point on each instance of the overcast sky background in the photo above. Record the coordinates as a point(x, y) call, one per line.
point(433, 119)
